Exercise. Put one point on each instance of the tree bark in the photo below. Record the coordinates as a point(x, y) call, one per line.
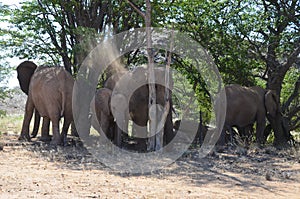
point(153, 141)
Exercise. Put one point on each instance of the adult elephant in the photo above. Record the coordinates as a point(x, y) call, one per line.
point(103, 105)
point(25, 71)
point(249, 105)
point(134, 86)
point(50, 93)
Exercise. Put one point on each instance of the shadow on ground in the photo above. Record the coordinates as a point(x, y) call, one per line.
point(246, 170)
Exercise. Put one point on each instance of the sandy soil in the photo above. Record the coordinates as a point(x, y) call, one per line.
point(34, 170)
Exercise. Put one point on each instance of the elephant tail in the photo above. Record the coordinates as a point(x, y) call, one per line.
point(66, 88)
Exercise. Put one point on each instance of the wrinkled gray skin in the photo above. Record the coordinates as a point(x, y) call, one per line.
point(103, 112)
point(103, 105)
point(25, 70)
point(50, 93)
point(134, 86)
point(246, 106)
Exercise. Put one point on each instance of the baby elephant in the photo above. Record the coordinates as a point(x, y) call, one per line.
point(103, 111)
point(111, 114)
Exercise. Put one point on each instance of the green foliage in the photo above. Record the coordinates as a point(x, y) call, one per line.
point(29, 39)
point(5, 70)
point(4, 67)
point(2, 113)
point(289, 84)
point(210, 23)
point(270, 138)
point(251, 42)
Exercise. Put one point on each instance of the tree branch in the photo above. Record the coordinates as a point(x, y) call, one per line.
point(293, 56)
point(137, 9)
point(293, 112)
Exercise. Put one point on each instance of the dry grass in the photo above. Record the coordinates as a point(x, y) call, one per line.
point(11, 124)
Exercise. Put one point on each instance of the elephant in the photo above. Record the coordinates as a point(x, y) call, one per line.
point(246, 106)
point(25, 71)
point(134, 86)
point(187, 126)
point(50, 93)
point(103, 105)
point(104, 116)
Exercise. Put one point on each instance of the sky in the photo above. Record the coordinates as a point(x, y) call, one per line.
point(11, 2)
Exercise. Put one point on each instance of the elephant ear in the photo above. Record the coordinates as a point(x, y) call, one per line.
point(25, 70)
point(271, 103)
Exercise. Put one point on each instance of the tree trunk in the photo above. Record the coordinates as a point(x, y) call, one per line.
point(281, 132)
point(152, 94)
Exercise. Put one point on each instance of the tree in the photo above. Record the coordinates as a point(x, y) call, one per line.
point(64, 31)
point(4, 67)
point(277, 44)
point(56, 30)
point(252, 42)
point(4, 73)
point(153, 143)
point(249, 39)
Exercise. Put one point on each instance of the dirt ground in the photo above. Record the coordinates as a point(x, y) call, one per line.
point(35, 170)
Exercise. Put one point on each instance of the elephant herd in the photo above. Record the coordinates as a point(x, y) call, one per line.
point(49, 91)
point(124, 97)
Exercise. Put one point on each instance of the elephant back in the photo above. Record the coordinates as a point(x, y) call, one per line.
point(25, 71)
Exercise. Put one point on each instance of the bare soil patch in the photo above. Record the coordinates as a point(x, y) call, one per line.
point(35, 170)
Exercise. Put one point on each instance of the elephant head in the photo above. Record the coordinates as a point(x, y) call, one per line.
point(25, 70)
point(111, 113)
point(271, 103)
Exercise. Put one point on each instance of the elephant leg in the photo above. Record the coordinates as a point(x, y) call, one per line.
point(106, 127)
point(230, 135)
point(242, 132)
point(118, 136)
point(140, 135)
point(26, 121)
point(120, 128)
point(74, 130)
point(222, 140)
point(247, 133)
point(260, 128)
point(56, 139)
point(37, 119)
point(267, 132)
point(124, 130)
point(45, 130)
point(67, 122)
point(169, 134)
